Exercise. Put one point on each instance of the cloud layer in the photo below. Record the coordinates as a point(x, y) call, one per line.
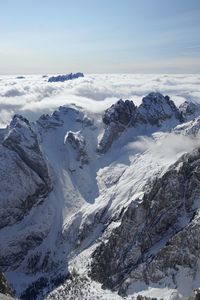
point(33, 95)
point(166, 146)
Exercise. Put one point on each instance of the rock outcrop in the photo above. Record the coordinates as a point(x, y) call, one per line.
point(4, 286)
point(62, 78)
point(116, 119)
point(190, 128)
point(24, 174)
point(156, 234)
point(58, 118)
point(188, 109)
point(25, 183)
point(154, 110)
point(78, 143)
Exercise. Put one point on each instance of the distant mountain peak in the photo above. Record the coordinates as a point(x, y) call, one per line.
point(66, 77)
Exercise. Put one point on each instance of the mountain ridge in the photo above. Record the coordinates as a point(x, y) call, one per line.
point(87, 193)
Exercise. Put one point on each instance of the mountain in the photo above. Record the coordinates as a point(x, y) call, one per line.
point(154, 110)
point(62, 78)
point(92, 210)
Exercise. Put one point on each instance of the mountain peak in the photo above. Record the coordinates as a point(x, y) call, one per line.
point(154, 110)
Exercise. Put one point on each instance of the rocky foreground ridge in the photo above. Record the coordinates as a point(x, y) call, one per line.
point(82, 210)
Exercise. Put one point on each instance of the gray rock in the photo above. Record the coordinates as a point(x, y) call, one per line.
point(116, 119)
point(4, 297)
point(24, 174)
point(78, 143)
point(66, 77)
point(188, 108)
point(5, 289)
point(22, 139)
point(166, 218)
point(154, 110)
point(25, 182)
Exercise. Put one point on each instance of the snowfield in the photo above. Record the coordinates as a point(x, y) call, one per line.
point(99, 197)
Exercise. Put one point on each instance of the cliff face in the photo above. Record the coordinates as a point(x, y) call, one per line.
point(157, 234)
point(24, 182)
point(155, 110)
point(24, 175)
point(4, 287)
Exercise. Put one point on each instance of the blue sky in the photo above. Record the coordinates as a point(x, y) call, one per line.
point(99, 36)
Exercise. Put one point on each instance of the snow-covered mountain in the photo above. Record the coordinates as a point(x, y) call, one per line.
point(92, 210)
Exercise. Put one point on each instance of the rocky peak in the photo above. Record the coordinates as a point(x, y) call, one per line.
point(66, 77)
point(22, 139)
point(154, 110)
point(78, 143)
point(63, 115)
point(25, 182)
point(21, 133)
point(27, 171)
point(116, 118)
point(122, 112)
point(188, 109)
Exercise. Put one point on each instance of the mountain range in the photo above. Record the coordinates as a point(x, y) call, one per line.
point(102, 206)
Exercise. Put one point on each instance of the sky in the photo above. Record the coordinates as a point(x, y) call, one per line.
point(99, 36)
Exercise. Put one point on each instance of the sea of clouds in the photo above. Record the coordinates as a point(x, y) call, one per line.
point(34, 95)
point(166, 146)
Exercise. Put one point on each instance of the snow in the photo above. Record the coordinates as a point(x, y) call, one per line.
point(34, 95)
point(107, 184)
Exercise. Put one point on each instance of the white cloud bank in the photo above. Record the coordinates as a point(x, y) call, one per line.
point(167, 145)
point(33, 95)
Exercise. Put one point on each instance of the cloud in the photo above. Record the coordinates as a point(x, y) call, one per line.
point(13, 92)
point(5, 117)
point(167, 146)
point(34, 95)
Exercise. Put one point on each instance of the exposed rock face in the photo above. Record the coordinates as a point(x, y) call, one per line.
point(4, 286)
point(196, 295)
point(121, 113)
point(15, 251)
point(24, 172)
point(160, 220)
point(188, 109)
point(78, 143)
point(23, 140)
point(154, 110)
point(47, 121)
point(181, 251)
point(25, 182)
point(116, 118)
point(190, 128)
point(56, 120)
point(63, 78)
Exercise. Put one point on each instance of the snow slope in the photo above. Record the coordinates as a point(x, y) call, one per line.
point(88, 200)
